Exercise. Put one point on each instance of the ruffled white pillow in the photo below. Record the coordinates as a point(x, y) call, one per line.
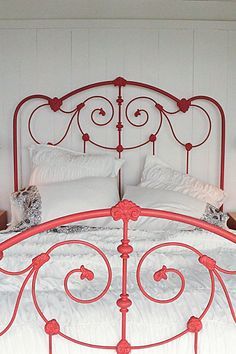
point(54, 164)
point(157, 174)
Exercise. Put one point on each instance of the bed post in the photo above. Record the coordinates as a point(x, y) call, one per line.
point(125, 211)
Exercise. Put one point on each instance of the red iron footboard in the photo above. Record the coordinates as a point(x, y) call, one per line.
point(125, 211)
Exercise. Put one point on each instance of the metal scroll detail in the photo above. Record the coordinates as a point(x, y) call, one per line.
point(124, 211)
point(119, 110)
point(52, 326)
point(137, 117)
point(194, 324)
point(100, 117)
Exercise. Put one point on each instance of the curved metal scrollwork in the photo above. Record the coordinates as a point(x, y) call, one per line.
point(125, 211)
point(165, 113)
point(139, 112)
point(97, 113)
point(194, 324)
point(52, 327)
point(85, 274)
point(32, 115)
point(101, 112)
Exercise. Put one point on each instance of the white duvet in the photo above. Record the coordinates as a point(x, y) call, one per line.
point(99, 323)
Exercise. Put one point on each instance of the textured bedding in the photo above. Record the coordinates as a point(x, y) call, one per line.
point(100, 322)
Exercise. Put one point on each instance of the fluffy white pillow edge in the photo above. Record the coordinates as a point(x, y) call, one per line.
point(164, 200)
point(46, 157)
point(172, 179)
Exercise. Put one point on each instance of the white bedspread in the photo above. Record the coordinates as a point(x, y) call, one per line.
point(100, 322)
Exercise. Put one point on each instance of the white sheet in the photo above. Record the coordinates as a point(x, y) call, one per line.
point(100, 322)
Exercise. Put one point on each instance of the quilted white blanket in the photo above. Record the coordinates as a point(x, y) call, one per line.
point(100, 322)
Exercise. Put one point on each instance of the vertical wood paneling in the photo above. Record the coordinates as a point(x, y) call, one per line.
point(175, 76)
point(210, 78)
point(230, 181)
point(52, 68)
point(54, 71)
point(17, 76)
point(181, 61)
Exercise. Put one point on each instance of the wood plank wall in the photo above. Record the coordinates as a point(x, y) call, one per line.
point(182, 57)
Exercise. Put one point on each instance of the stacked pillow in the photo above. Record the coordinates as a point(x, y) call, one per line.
point(157, 174)
point(167, 189)
point(64, 182)
point(163, 200)
point(40, 203)
point(51, 164)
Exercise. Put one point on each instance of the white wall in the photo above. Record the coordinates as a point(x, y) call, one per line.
point(182, 57)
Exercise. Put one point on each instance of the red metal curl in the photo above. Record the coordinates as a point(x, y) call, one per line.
point(138, 111)
point(30, 119)
point(52, 325)
point(158, 276)
point(17, 304)
point(74, 111)
point(162, 273)
point(100, 111)
point(194, 324)
point(19, 272)
point(192, 145)
point(85, 273)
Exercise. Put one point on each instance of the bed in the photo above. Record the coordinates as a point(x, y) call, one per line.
point(89, 264)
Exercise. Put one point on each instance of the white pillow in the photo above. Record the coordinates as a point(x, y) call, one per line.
point(54, 164)
point(157, 174)
point(164, 200)
point(38, 204)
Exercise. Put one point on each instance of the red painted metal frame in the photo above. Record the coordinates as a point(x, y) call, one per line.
point(125, 211)
point(182, 105)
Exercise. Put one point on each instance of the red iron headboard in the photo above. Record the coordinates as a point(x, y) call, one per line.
point(182, 105)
